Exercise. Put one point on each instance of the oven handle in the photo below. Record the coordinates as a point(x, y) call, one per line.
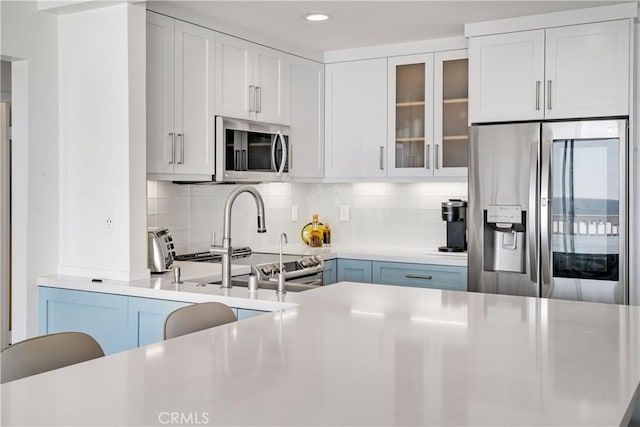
point(315, 282)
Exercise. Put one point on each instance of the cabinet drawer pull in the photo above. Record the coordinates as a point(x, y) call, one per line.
point(258, 99)
point(381, 158)
point(173, 148)
point(252, 98)
point(418, 276)
point(537, 94)
point(548, 94)
point(428, 162)
point(181, 136)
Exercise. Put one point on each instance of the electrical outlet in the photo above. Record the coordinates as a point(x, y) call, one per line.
point(294, 213)
point(344, 213)
point(108, 222)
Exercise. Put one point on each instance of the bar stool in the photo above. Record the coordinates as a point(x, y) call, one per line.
point(45, 353)
point(197, 317)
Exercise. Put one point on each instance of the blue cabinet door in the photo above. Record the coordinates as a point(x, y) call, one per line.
point(146, 319)
point(245, 314)
point(354, 270)
point(102, 316)
point(446, 277)
point(330, 272)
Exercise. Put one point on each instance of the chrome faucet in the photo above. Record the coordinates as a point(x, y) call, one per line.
point(225, 250)
point(281, 288)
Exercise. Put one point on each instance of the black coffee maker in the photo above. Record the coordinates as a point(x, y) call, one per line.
point(454, 213)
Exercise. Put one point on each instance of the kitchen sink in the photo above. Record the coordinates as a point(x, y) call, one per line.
point(270, 285)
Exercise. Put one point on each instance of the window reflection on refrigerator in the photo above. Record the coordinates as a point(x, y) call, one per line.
point(585, 206)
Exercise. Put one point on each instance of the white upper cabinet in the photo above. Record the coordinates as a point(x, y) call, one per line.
point(587, 70)
point(428, 131)
point(160, 95)
point(565, 72)
point(250, 81)
point(450, 113)
point(269, 78)
point(234, 77)
point(356, 119)
point(410, 112)
point(306, 100)
point(506, 77)
point(180, 99)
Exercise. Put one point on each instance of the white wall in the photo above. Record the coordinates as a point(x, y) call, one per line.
point(382, 215)
point(102, 143)
point(30, 40)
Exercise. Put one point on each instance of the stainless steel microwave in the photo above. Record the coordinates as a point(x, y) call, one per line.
point(251, 151)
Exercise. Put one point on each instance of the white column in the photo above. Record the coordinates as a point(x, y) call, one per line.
point(102, 143)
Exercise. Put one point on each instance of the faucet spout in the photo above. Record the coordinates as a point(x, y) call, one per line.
point(225, 250)
point(261, 224)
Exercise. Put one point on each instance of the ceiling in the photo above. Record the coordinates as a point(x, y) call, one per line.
point(367, 23)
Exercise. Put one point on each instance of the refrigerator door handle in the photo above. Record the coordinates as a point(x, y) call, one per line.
point(545, 214)
point(532, 216)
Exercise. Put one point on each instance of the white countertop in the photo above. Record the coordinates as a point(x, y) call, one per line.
point(194, 289)
point(390, 254)
point(362, 354)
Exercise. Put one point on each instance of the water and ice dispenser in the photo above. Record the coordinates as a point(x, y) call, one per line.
point(505, 239)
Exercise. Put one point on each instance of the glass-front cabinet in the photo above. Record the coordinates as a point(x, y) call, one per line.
point(451, 118)
point(410, 144)
point(428, 132)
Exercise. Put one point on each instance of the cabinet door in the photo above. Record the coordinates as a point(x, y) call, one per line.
point(194, 57)
point(506, 75)
point(420, 275)
point(356, 119)
point(243, 313)
point(306, 142)
point(587, 70)
point(160, 96)
point(269, 79)
point(146, 319)
point(451, 121)
point(103, 316)
point(352, 270)
point(330, 273)
point(410, 132)
point(233, 76)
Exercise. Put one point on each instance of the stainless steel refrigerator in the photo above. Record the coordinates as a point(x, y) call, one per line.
point(548, 210)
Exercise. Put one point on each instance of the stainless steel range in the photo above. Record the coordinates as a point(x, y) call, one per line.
point(299, 269)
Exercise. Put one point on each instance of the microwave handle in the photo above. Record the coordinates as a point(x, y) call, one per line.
point(284, 152)
point(273, 153)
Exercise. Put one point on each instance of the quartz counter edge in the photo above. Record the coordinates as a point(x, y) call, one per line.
point(190, 291)
point(388, 254)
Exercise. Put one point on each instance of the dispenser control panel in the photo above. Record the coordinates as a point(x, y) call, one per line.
point(504, 214)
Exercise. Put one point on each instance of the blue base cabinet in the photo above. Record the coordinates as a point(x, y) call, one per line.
point(146, 319)
point(330, 272)
point(452, 278)
point(354, 270)
point(102, 316)
point(117, 322)
point(245, 314)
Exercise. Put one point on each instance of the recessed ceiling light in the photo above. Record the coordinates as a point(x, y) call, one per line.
point(316, 17)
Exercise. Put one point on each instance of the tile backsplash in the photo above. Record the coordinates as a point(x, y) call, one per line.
point(380, 214)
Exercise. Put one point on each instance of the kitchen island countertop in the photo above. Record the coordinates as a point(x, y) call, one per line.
point(363, 354)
